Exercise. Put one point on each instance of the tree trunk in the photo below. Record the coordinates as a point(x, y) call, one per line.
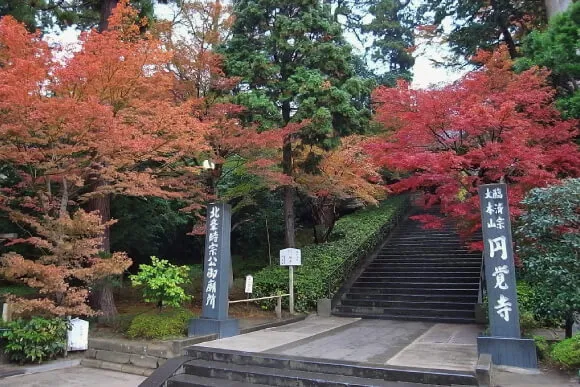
point(569, 325)
point(289, 191)
point(324, 218)
point(289, 216)
point(102, 204)
point(106, 302)
point(507, 37)
point(106, 10)
point(103, 299)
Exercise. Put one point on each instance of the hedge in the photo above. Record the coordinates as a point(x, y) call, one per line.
point(160, 325)
point(567, 352)
point(353, 237)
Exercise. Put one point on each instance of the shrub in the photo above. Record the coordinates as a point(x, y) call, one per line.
point(160, 325)
point(162, 282)
point(542, 346)
point(35, 340)
point(567, 352)
point(361, 232)
point(548, 242)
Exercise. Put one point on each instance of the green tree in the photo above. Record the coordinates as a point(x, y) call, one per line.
point(162, 282)
point(385, 30)
point(84, 13)
point(482, 24)
point(549, 245)
point(557, 49)
point(295, 65)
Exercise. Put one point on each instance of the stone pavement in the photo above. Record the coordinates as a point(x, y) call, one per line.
point(74, 377)
point(382, 342)
point(265, 339)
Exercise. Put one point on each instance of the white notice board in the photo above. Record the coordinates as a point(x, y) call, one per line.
point(290, 257)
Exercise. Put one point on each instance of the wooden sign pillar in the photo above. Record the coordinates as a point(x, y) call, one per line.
point(217, 265)
point(505, 343)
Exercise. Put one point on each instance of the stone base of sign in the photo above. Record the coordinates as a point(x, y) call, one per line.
point(324, 307)
point(207, 326)
point(483, 370)
point(509, 351)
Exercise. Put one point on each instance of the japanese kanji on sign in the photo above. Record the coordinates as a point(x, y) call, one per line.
point(499, 261)
point(217, 265)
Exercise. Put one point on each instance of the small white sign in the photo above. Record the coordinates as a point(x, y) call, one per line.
point(249, 283)
point(290, 257)
point(78, 335)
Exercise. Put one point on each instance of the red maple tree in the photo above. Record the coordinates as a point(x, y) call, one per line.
point(493, 125)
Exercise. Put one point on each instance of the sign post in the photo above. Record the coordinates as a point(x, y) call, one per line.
point(505, 343)
point(291, 257)
point(217, 266)
point(249, 284)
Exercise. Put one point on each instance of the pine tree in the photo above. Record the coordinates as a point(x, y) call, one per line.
point(295, 65)
point(483, 24)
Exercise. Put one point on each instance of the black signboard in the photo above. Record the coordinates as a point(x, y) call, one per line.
point(499, 261)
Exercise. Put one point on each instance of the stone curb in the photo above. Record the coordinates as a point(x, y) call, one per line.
point(125, 368)
point(52, 366)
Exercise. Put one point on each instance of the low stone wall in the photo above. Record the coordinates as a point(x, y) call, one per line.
point(143, 357)
point(135, 357)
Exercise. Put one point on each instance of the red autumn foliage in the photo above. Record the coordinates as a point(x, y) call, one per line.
point(491, 125)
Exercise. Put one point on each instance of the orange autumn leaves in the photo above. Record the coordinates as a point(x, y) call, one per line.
point(108, 110)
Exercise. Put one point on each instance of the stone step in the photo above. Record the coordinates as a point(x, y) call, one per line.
point(425, 257)
point(416, 285)
point(436, 248)
point(410, 274)
point(408, 311)
point(276, 377)
point(419, 279)
point(421, 269)
point(388, 290)
point(390, 304)
point(283, 370)
point(456, 262)
point(426, 254)
point(412, 265)
point(468, 298)
point(185, 380)
point(395, 316)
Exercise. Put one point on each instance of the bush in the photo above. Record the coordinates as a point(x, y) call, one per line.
point(160, 325)
point(542, 347)
point(360, 234)
point(548, 242)
point(35, 340)
point(162, 282)
point(567, 352)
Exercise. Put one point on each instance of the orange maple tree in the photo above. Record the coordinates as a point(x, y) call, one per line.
point(345, 172)
point(106, 113)
point(493, 125)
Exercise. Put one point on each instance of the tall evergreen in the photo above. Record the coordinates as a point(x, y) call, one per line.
point(294, 64)
point(385, 30)
point(483, 23)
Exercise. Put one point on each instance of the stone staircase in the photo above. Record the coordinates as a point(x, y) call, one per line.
point(419, 274)
point(218, 367)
